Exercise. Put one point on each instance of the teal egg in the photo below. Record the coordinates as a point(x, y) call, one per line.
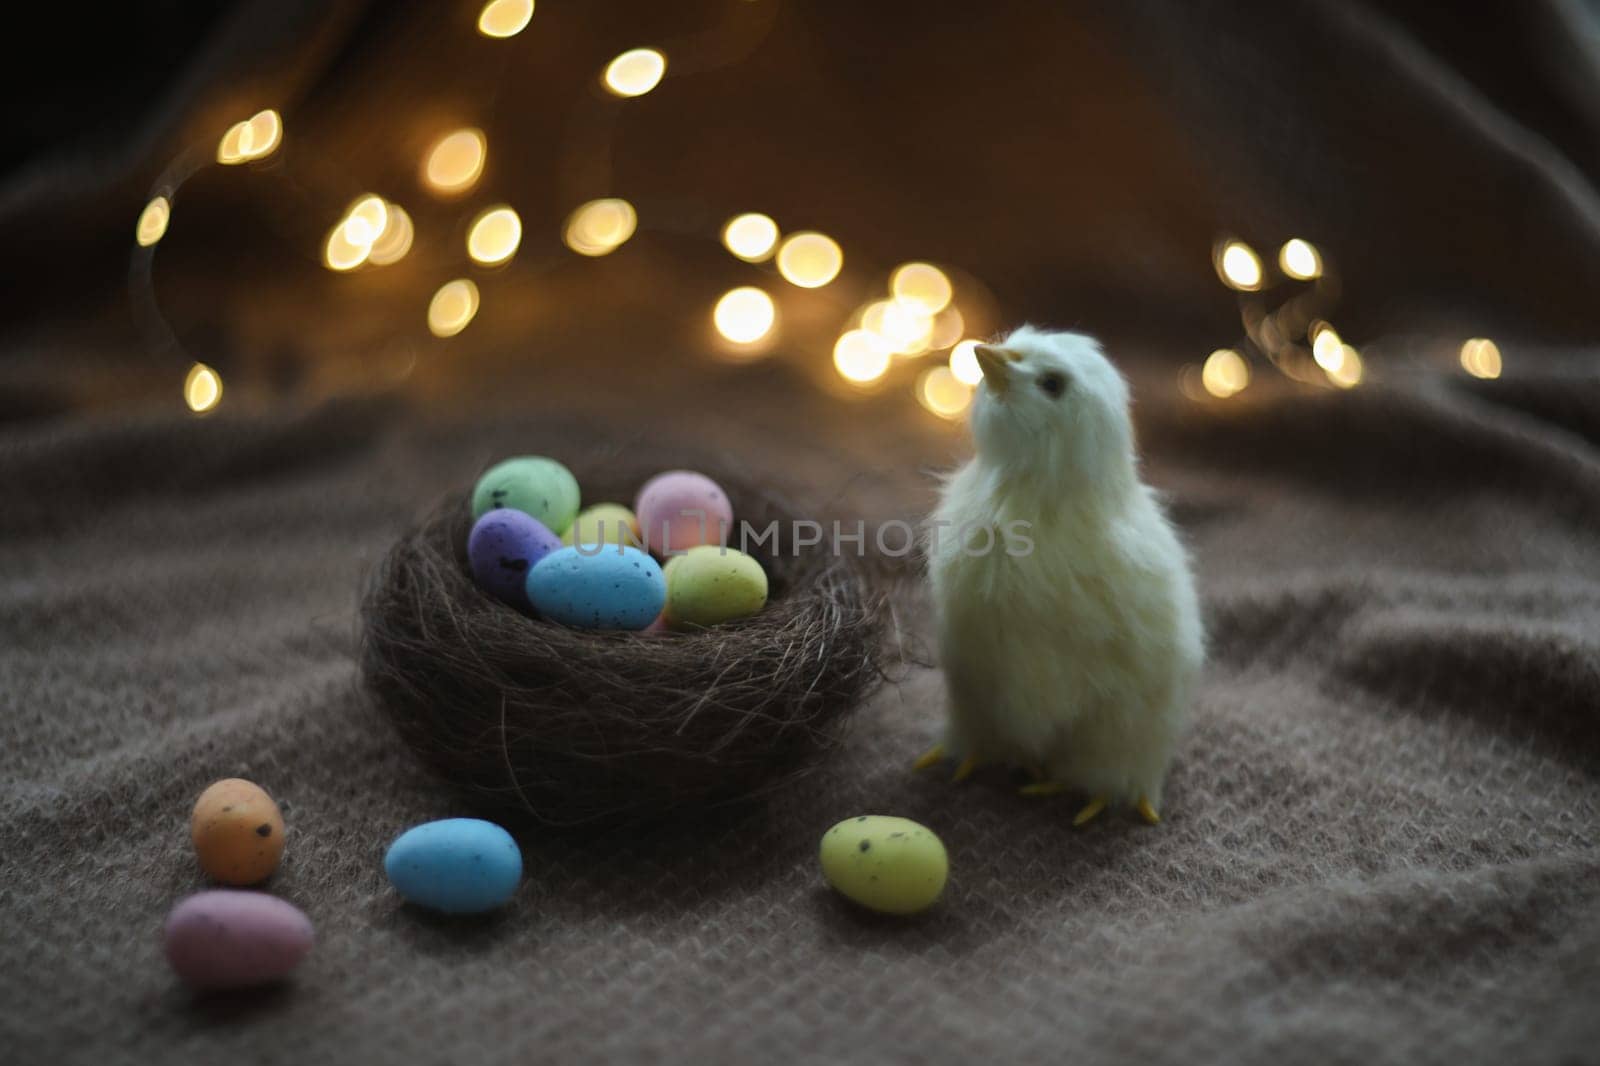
point(539, 487)
point(598, 586)
point(458, 865)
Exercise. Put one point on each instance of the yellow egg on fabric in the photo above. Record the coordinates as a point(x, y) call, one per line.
point(237, 832)
point(887, 864)
point(711, 584)
point(604, 523)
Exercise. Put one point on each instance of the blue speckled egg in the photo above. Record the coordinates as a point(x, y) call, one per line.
point(598, 586)
point(502, 547)
point(458, 865)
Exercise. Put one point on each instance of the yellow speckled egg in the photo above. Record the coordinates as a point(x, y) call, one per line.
point(887, 864)
point(237, 832)
point(604, 523)
point(711, 584)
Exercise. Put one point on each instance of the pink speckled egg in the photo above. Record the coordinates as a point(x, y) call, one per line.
point(229, 938)
point(681, 509)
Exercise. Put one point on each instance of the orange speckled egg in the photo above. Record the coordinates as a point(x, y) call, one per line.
point(237, 832)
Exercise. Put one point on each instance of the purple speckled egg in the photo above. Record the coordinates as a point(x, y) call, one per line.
point(231, 938)
point(503, 546)
point(681, 509)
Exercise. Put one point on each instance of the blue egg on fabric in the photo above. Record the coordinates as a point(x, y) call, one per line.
point(598, 586)
point(458, 865)
point(502, 548)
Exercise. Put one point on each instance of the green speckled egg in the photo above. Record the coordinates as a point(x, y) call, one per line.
point(887, 864)
point(711, 584)
point(532, 484)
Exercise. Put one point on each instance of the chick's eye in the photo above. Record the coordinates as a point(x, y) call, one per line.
point(1052, 384)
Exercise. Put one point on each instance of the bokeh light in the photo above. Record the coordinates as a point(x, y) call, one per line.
point(504, 18)
point(940, 391)
point(948, 327)
point(751, 237)
point(202, 389)
point(1480, 357)
point(255, 138)
point(744, 315)
point(964, 363)
point(600, 227)
point(923, 286)
point(1349, 371)
point(339, 252)
point(809, 260)
point(366, 220)
point(861, 356)
point(1225, 373)
point(904, 327)
point(1327, 348)
point(494, 235)
point(1300, 259)
point(152, 224)
point(395, 240)
point(455, 161)
point(452, 307)
point(635, 72)
point(1239, 267)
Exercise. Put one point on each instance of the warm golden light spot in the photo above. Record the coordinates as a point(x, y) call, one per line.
point(964, 363)
point(153, 220)
point(1347, 374)
point(1225, 373)
point(751, 237)
point(1480, 357)
point(1326, 346)
point(636, 72)
point(452, 307)
point(1300, 259)
point(744, 315)
point(923, 286)
point(202, 388)
point(600, 227)
point(504, 18)
point(494, 235)
point(395, 240)
point(861, 356)
point(809, 260)
point(455, 162)
point(940, 391)
point(366, 220)
point(948, 327)
point(255, 138)
point(339, 252)
point(903, 326)
point(1239, 266)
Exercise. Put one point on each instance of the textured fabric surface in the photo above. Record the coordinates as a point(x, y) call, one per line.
point(1380, 842)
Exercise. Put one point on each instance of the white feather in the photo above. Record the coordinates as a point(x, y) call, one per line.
point(1077, 657)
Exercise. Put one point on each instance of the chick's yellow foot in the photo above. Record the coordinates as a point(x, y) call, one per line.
point(929, 758)
point(1090, 809)
point(1043, 788)
point(1147, 812)
point(964, 771)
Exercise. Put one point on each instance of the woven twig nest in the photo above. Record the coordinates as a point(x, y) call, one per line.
point(573, 726)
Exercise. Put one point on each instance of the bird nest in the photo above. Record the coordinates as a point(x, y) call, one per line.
point(572, 726)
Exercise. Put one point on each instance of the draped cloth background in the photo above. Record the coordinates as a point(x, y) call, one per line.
point(1381, 834)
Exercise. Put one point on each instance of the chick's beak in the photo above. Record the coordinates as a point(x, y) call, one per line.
point(996, 366)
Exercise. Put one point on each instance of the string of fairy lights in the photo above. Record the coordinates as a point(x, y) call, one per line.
point(916, 315)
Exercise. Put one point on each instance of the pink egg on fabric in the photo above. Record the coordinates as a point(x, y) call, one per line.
point(681, 509)
point(230, 938)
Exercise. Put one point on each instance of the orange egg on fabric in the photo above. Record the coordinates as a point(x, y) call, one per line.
point(237, 832)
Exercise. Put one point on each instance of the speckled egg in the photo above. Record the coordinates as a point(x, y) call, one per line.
point(456, 865)
point(230, 938)
point(887, 864)
point(681, 509)
point(598, 586)
point(539, 487)
point(711, 584)
point(503, 546)
point(604, 523)
point(237, 832)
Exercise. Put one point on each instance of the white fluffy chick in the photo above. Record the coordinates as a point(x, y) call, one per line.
point(1068, 625)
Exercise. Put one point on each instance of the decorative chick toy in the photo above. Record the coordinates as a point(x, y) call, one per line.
point(1068, 624)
